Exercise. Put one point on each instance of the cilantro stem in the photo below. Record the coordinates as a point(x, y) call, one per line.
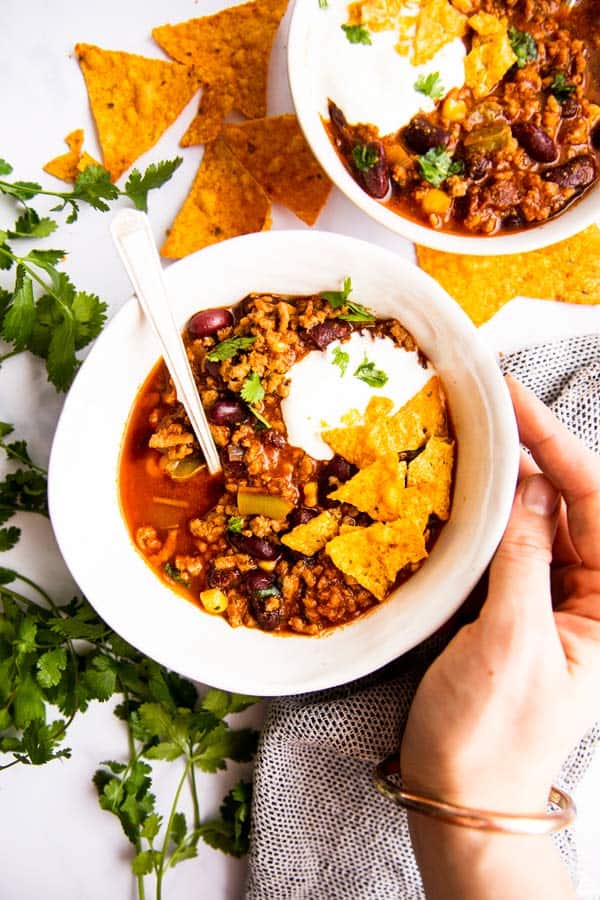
point(22, 261)
point(195, 802)
point(132, 759)
point(14, 454)
point(163, 852)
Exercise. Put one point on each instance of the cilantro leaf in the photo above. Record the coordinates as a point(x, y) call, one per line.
point(338, 298)
point(436, 165)
point(61, 362)
point(137, 185)
point(143, 862)
point(235, 524)
point(23, 491)
point(229, 348)
point(174, 574)
point(340, 359)
point(5, 168)
point(367, 372)
point(20, 190)
point(29, 225)
point(89, 314)
point(364, 157)
point(28, 703)
point(94, 186)
point(357, 34)
point(222, 703)
point(19, 320)
point(226, 743)
point(523, 46)
point(357, 313)
point(252, 390)
point(430, 85)
point(9, 537)
point(50, 666)
point(230, 833)
point(561, 88)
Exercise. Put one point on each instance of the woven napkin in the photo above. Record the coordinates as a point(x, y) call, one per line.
point(319, 829)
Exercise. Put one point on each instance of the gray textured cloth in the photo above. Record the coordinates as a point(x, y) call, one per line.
point(319, 829)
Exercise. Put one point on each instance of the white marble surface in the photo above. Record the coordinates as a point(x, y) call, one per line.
point(55, 841)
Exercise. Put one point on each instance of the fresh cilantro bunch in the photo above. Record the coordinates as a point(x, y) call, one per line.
point(43, 312)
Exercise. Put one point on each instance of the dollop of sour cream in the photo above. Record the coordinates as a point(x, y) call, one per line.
point(322, 397)
point(374, 83)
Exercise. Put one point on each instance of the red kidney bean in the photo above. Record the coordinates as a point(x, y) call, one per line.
point(331, 330)
point(536, 142)
point(478, 166)
point(375, 180)
point(268, 619)
point(209, 321)
point(337, 117)
point(221, 578)
point(569, 107)
point(577, 173)
point(514, 220)
point(254, 546)
point(227, 412)
point(595, 136)
point(339, 468)
point(421, 135)
point(301, 515)
point(256, 580)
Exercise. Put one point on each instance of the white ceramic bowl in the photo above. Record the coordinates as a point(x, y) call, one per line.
point(95, 542)
point(305, 61)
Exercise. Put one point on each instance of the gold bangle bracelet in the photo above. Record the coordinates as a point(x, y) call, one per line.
point(482, 819)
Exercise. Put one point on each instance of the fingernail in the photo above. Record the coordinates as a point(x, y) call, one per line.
point(539, 495)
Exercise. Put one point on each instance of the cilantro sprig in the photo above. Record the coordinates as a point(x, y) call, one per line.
point(561, 88)
point(523, 46)
point(356, 311)
point(94, 187)
point(357, 34)
point(21, 491)
point(367, 372)
point(43, 312)
point(431, 85)
point(229, 348)
point(253, 392)
point(436, 165)
point(341, 359)
point(364, 157)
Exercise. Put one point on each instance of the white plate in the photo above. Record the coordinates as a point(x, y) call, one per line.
point(83, 496)
point(306, 60)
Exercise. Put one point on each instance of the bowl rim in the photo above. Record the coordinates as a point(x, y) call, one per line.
point(560, 227)
point(348, 666)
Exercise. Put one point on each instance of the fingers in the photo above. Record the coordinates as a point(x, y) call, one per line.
point(563, 552)
point(574, 470)
point(520, 571)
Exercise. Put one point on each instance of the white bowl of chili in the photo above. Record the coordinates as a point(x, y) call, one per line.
point(84, 467)
point(321, 61)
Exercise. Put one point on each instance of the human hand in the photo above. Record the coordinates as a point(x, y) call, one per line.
point(499, 710)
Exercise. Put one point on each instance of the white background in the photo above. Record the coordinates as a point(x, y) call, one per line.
point(56, 842)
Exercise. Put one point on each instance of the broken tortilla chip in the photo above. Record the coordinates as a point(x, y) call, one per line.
point(67, 166)
point(376, 488)
point(134, 100)
point(224, 201)
point(276, 154)
point(313, 535)
point(491, 55)
point(231, 50)
point(567, 271)
point(375, 555)
point(432, 469)
point(438, 23)
point(424, 415)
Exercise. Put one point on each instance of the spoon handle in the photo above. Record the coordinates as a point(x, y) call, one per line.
point(134, 241)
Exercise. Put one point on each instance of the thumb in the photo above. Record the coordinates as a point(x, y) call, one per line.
point(520, 570)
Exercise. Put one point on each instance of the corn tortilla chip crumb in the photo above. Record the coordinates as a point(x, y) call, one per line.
point(67, 166)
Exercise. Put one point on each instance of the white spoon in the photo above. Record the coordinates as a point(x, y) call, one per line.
point(134, 241)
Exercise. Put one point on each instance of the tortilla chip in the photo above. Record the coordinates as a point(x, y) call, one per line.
point(438, 23)
point(424, 415)
point(490, 58)
point(68, 166)
point(485, 24)
point(215, 104)
point(231, 50)
point(375, 555)
point(433, 469)
point(312, 537)
point(276, 154)
point(376, 488)
point(224, 201)
point(567, 271)
point(134, 100)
